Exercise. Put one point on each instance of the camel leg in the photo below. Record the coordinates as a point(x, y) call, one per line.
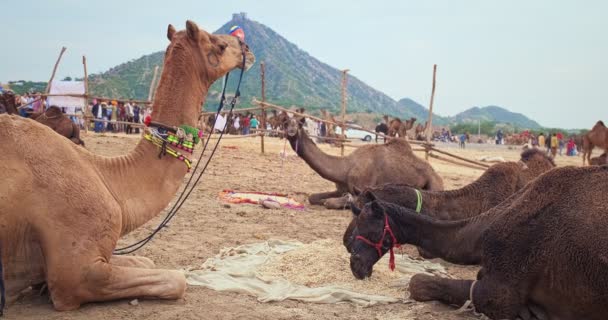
point(132, 261)
point(337, 203)
point(71, 286)
point(493, 298)
point(318, 198)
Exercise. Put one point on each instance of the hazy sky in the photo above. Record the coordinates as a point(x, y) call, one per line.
point(546, 59)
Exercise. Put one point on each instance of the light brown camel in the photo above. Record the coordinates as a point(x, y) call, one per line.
point(369, 165)
point(420, 131)
point(396, 127)
point(542, 249)
point(493, 187)
point(597, 137)
point(60, 123)
point(49, 233)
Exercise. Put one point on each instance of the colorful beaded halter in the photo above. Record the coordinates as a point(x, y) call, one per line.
point(173, 140)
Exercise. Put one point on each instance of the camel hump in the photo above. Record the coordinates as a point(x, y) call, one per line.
point(53, 111)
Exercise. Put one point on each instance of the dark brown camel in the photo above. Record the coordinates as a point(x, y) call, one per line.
point(420, 131)
point(60, 123)
point(494, 186)
point(597, 137)
point(542, 250)
point(367, 166)
point(599, 160)
point(7, 99)
point(399, 128)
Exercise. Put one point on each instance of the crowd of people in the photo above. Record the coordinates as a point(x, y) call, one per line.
point(109, 116)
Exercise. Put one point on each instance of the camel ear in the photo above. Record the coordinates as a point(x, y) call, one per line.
point(192, 30)
point(302, 121)
point(170, 32)
point(356, 210)
point(368, 196)
point(377, 209)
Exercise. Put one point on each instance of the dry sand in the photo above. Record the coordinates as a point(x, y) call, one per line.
point(205, 225)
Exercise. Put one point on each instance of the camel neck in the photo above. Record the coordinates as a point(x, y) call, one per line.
point(454, 241)
point(141, 182)
point(330, 167)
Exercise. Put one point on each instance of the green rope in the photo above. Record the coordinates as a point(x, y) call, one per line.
point(419, 201)
point(191, 130)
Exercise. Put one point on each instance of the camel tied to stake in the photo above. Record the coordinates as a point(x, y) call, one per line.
point(49, 233)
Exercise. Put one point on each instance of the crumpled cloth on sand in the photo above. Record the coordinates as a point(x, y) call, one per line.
point(234, 270)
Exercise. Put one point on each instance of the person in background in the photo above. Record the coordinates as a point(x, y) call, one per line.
point(561, 142)
point(254, 122)
point(104, 116)
point(98, 115)
point(548, 144)
point(136, 116)
point(463, 139)
point(121, 116)
point(541, 140)
point(129, 113)
point(554, 143)
point(246, 124)
point(570, 147)
point(499, 136)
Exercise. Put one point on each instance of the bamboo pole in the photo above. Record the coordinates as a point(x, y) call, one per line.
point(263, 117)
point(94, 97)
point(456, 162)
point(344, 79)
point(86, 92)
point(461, 158)
point(430, 127)
point(152, 86)
point(48, 85)
point(239, 110)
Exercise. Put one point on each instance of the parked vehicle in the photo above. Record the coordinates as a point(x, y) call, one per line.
point(353, 133)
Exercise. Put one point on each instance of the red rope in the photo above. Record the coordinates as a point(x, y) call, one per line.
point(378, 245)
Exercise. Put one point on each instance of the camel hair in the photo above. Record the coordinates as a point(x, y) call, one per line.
point(494, 186)
point(49, 233)
point(370, 165)
point(542, 249)
point(599, 160)
point(597, 137)
point(60, 123)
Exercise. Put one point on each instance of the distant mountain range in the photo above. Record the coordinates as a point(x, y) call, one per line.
point(293, 77)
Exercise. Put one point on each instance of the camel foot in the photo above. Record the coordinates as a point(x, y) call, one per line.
point(317, 199)
point(104, 282)
point(337, 203)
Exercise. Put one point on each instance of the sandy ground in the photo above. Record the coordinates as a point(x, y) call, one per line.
point(205, 225)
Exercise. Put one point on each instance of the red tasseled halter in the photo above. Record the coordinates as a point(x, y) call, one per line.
point(378, 245)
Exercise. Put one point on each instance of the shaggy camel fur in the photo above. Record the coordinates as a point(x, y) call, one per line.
point(543, 247)
point(597, 137)
point(60, 123)
point(399, 128)
point(494, 186)
point(367, 166)
point(49, 233)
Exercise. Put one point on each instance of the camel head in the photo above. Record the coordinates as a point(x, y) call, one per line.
point(536, 161)
point(293, 126)
point(369, 223)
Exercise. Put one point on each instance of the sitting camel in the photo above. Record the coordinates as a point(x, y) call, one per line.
point(369, 165)
point(60, 123)
point(541, 250)
point(494, 186)
point(49, 233)
point(599, 160)
point(399, 128)
point(597, 137)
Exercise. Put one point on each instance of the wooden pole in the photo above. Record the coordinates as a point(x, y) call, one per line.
point(344, 78)
point(151, 91)
point(263, 117)
point(86, 94)
point(48, 85)
point(429, 130)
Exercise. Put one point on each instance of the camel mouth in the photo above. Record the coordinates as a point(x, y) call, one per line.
point(249, 61)
point(292, 132)
point(360, 268)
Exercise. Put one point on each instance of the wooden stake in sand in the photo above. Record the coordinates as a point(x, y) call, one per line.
point(86, 94)
point(344, 78)
point(152, 84)
point(263, 117)
point(48, 85)
point(429, 130)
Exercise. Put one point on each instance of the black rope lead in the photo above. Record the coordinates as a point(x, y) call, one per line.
point(2, 293)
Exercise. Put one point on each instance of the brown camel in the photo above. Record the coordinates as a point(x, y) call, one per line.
point(60, 123)
point(399, 128)
point(597, 137)
point(7, 99)
point(542, 249)
point(494, 186)
point(370, 165)
point(49, 233)
point(599, 160)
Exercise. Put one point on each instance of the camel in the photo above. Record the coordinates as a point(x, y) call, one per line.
point(493, 187)
point(399, 128)
point(542, 249)
point(420, 131)
point(7, 99)
point(369, 165)
point(597, 137)
point(49, 233)
point(60, 123)
point(599, 160)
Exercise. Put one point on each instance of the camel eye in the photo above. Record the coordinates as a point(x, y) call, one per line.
point(223, 46)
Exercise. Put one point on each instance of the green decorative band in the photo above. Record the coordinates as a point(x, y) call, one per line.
point(419, 201)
